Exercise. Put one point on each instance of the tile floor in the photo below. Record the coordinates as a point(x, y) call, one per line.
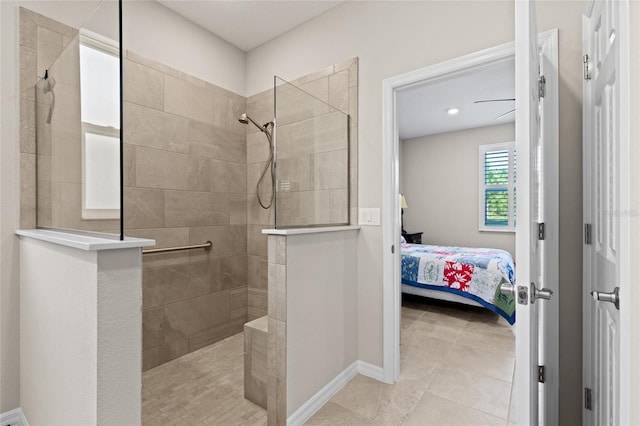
point(205, 387)
point(456, 369)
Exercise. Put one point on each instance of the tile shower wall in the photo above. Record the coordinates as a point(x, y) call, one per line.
point(51, 152)
point(185, 183)
point(336, 85)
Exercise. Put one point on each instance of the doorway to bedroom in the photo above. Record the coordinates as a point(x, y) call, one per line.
point(457, 179)
point(450, 193)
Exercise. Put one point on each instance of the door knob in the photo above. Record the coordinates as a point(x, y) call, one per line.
point(508, 289)
point(540, 293)
point(613, 297)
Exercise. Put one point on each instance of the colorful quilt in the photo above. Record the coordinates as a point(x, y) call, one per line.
point(474, 273)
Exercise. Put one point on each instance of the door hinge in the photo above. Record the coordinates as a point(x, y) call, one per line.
point(393, 248)
point(587, 398)
point(541, 373)
point(541, 231)
point(587, 233)
point(542, 83)
point(585, 65)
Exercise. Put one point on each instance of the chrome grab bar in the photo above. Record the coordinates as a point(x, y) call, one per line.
point(206, 246)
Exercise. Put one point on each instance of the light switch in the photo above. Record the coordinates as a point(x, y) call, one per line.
point(369, 217)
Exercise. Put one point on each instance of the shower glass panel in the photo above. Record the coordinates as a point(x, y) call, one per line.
point(311, 158)
point(78, 140)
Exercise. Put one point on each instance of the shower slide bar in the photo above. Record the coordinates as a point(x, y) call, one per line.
point(206, 246)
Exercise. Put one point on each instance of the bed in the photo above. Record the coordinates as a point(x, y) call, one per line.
point(461, 274)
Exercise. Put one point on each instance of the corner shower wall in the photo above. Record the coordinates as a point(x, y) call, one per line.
point(336, 85)
point(185, 175)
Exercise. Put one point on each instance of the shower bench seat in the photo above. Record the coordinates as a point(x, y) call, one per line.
point(255, 361)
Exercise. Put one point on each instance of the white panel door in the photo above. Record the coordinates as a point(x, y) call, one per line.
point(605, 173)
point(530, 276)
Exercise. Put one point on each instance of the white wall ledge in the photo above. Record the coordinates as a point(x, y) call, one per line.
point(318, 230)
point(83, 242)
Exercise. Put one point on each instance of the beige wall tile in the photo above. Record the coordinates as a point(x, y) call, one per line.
point(191, 208)
point(219, 237)
point(238, 209)
point(174, 349)
point(208, 336)
point(234, 271)
point(49, 46)
point(169, 170)
point(155, 129)
point(228, 177)
point(66, 160)
point(66, 113)
point(129, 166)
point(257, 299)
point(152, 327)
point(28, 30)
point(66, 68)
point(150, 358)
point(256, 241)
point(144, 208)
point(27, 126)
point(339, 91)
point(226, 111)
point(207, 140)
point(238, 302)
point(164, 237)
point(331, 170)
point(253, 271)
point(28, 180)
point(258, 147)
point(196, 314)
point(298, 173)
point(143, 85)
point(187, 100)
point(323, 133)
point(28, 70)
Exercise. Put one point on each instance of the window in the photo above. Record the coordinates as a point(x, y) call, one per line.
point(497, 207)
point(100, 112)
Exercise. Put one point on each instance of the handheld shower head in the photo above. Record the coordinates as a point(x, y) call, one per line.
point(245, 119)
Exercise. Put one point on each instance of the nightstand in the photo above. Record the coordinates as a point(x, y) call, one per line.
point(415, 238)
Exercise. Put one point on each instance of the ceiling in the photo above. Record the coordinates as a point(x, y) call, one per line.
point(248, 24)
point(422, 110)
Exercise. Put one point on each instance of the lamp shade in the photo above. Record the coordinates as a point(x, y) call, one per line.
point(403, 202)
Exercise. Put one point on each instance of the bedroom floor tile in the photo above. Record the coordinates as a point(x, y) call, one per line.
point(432, 410)
point(456, 368)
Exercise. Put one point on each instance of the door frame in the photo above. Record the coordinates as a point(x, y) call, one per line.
point(391, 293)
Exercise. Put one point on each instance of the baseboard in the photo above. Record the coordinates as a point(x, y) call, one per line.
point(316, 402)
point(371, 370)
point(13, 418)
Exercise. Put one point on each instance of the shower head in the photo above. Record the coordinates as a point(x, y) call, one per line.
point(245, 119)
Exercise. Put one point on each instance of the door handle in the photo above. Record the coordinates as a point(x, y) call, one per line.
point(613, 297)
point(508, 289)
point(540, 293)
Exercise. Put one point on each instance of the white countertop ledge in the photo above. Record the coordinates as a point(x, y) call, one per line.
point(84, 242)
point(318, 230)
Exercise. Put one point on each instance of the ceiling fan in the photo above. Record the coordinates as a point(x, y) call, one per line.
point(498, 100)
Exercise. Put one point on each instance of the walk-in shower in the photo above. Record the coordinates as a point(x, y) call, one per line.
point(245, 119)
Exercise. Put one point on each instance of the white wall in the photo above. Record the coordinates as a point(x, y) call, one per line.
point(58, 333)
point(80, 334)
point(392, 38)
point(321, 311)
point(9, 211)
point(440, 182)
point(162, 35)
